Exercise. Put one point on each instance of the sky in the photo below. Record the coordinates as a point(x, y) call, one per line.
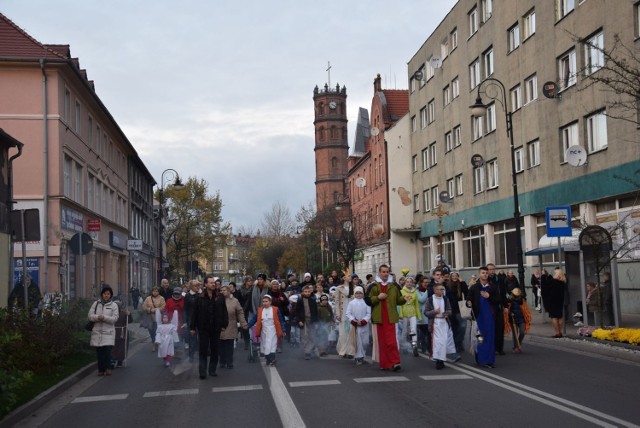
point(222, 90)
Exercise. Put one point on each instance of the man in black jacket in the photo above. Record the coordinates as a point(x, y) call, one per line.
point(209, 317)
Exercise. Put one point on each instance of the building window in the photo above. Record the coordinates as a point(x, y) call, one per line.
point(448, 142)
point(432, 154)
point(487, 60)
point(423, 117)
point(473, 21)
point(435, 196)
point(478, 180)
point(596, 131)
point(518, 156)
point(455, 88)
point(431, 110)
point(505, 240)
point(430, 70)
point(516, 98)
point(567, 69)
point(529, 24)
point(530, 89)
point(414, 124)
point(563, 7)
point(446, 96)
point(413, 84)
point(78, 184)
point(425, 159)
point(492, 174)
point(474, 73)
point(457, 137)
point(454, 39)
point(490, 118)
point(594, 53)
point(414, 163)
point(67, 105)
point(416, 203)
point(487, 9)
point(451, 187)
point(459, 190)
point(90, 196)
point(473, 247)
point(67, 168)
point(426, 200)
point(476, 128)
point(78, 117)
point(513, 37)
point(444, 48)
point(423, 80)
point(334, 162)
point(568, 138)
point(533, 150)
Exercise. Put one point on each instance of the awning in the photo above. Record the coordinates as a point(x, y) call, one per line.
point(542, 251)
point(547, 245)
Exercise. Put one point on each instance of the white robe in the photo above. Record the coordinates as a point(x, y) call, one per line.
point(268, 335)
point(358, 310)
point(442, 336)
point(166, 335)
point(341, 297)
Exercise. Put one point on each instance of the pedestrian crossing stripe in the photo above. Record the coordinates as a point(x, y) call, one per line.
point(100, 398)
point(314, 383)
point(446, 377)
point(380, 379)
point(236, 388)
point(171, 393)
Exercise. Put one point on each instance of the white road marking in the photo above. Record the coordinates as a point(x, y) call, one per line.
point(100, 398)
point(446, 377)
point(380, 379)
point(562, 404)
point(289, 414)
point(171, 393)
point(236, 388)
point(314, 383)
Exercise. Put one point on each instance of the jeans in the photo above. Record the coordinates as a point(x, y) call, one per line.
point(104, 358)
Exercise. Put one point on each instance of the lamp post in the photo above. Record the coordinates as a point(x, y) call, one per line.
point(478, 109)
point(177, 184)
point(348, 233)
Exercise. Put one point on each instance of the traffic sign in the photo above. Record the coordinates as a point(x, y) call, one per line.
point(81, 241)
point(558, 221)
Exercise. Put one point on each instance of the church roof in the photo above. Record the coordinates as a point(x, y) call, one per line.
point(362, 133)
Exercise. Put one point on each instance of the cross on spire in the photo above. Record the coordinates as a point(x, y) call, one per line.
point(328, 70)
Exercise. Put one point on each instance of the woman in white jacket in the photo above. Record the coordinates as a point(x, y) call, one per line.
point(104, 313)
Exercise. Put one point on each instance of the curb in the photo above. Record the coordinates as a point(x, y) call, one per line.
point(596, 347)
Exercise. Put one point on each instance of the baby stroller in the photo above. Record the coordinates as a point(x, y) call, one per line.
point(254, 345)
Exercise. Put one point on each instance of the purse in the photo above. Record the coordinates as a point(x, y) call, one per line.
point(89, 325)
point(465, 312)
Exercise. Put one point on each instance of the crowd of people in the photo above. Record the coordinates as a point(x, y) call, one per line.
point(381, 317)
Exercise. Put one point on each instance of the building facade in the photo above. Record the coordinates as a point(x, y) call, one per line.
point(74, 169)
point(523, 45)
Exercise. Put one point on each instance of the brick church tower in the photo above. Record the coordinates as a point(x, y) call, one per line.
point(332, 147)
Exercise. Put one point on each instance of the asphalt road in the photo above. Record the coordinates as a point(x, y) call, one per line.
point(551, 383)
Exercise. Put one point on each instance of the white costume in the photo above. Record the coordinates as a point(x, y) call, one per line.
point(442, 336)
point(268, 335)
point(358, 310)
point(166, 335)
point(341, 298)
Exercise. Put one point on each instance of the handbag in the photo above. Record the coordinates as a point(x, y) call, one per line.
point(465, 311)
point(146, 322)
point(89, 325)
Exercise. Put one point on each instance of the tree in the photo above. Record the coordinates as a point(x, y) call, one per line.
point(278, 223)
point(192, 222)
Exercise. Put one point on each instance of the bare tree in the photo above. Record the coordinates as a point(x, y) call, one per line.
point(278, 222)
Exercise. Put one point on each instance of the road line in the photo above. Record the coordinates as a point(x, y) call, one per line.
point(171, 393)
point(314, 383)
point(380, 379)
point(562, 404)
point(446, 377)
point(100, 398)
point(289, 414)
point(236, 388)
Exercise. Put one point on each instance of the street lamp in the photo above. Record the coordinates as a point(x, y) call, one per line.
point(478, 109)
point(177, 184)
point(347, 244)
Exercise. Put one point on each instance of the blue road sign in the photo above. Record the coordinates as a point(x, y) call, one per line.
point(558, 221)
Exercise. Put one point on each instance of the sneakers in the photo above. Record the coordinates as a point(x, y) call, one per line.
point(359, 361)
point(455, 357)
point(577, 315)
point(578, 324)
point(396, 367)
point(538, 308)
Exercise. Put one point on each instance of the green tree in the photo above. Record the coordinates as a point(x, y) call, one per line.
point(192, 222)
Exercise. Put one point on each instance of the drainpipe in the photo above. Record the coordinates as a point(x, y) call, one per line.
point(45, 142)
point(10, 205)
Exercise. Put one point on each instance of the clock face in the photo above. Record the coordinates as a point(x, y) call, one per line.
point(332, 105)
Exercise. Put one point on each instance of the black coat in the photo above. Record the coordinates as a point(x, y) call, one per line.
point(299, 309)
point(210, 314)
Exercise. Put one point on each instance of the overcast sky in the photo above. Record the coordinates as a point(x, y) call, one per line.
point(222, 89)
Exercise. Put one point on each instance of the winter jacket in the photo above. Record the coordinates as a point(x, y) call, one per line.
point(429, 311)
point(235, 315)
point(210, 314)
point(299, 310)
point(325, 314)
point(394, 298)
point(412, 307)
point(104, 332)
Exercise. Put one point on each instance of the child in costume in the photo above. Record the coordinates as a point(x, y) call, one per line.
point(269, 326)
point(358, 314)
point(166, 335)
point(410, 314)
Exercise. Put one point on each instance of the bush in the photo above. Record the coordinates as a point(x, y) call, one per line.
point(33, 346)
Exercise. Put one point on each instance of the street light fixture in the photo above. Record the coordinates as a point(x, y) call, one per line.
point(177, 185)
point(348, 234)
point(478, 109)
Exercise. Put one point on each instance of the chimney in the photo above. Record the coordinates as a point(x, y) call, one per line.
point(377, 86)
